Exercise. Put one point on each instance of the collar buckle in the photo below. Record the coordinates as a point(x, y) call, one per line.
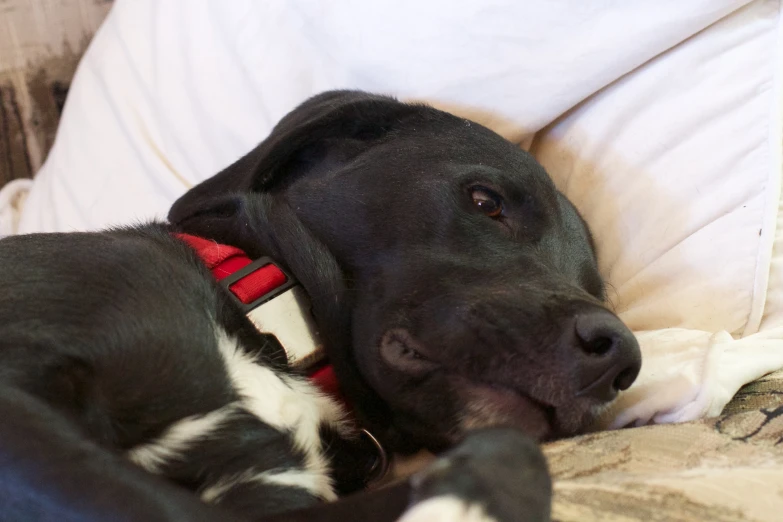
point(283, 310)
point(262, 262)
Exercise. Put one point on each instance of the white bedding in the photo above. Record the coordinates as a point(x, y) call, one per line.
point(660, 120)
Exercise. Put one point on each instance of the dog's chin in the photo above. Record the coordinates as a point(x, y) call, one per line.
point(486, 406)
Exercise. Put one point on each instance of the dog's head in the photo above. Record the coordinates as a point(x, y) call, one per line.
point(455, 286)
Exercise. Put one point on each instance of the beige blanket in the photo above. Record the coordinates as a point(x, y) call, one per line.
point(728, 469)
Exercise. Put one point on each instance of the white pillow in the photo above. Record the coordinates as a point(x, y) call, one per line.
point(661, 160)
point(169, 92)
point(677, 167)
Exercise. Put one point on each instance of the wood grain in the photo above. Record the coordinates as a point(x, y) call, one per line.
point(41, 42)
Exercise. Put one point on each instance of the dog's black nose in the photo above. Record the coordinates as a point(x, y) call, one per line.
point(608, 354)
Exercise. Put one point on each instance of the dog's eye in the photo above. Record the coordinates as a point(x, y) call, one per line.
point(487, 201)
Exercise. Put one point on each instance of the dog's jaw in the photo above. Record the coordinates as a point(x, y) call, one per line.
point(475, 398)
point(489, 406)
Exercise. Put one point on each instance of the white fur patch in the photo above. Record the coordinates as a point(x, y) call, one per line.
point(178, 438)
point(285, 402)
point(446, 509)
point(317, 484)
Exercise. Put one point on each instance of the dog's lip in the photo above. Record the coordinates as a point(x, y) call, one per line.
point(492, 403)
point(503, 387)
point(498, 399)
point(502, 400)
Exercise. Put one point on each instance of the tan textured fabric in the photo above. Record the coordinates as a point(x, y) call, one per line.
point(728, 469)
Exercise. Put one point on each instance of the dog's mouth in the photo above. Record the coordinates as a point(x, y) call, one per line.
point(491, 405)
point(481, 403)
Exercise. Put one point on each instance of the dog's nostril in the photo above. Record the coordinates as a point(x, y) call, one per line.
point(596, 336)
point(598, 346)
point(625, 379)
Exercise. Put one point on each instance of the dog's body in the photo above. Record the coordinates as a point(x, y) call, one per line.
point(454, 287)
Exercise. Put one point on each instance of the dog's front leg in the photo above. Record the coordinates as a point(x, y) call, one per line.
point(494, 475)
point(49, 471)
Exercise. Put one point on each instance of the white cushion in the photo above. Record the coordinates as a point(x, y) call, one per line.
point(171, 91)
point(673, 161)
point(677, 168)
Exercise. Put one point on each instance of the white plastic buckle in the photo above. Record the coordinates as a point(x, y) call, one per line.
point(287, 316)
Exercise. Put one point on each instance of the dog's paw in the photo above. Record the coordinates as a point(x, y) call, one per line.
point(495, 475)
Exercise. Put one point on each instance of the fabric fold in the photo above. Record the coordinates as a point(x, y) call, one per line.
point(692, 374)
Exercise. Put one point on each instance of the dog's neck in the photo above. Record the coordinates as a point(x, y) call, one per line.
point(276, 304)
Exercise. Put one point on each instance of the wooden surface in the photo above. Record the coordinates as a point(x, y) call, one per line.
point(41, 42)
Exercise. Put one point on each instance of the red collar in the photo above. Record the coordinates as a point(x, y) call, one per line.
point(274, 302)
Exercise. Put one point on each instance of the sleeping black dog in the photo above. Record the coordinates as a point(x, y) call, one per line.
point(455, 305)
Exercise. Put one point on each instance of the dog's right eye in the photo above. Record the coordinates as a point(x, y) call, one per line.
point(487, 201)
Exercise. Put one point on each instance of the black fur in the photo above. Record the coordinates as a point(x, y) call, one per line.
point(438, 319)
point(366, 200)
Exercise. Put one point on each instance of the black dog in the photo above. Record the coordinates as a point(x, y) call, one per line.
point(452, 286)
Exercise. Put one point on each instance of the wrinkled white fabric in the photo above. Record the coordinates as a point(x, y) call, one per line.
point(690, 374)
point(660, 120)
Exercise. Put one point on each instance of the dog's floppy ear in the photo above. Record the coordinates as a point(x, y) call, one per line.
point(262, 224)
point(240, 206)
point(321, 133)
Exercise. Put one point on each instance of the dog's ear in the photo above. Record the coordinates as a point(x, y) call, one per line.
point(322, 133)
point(240, 206)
